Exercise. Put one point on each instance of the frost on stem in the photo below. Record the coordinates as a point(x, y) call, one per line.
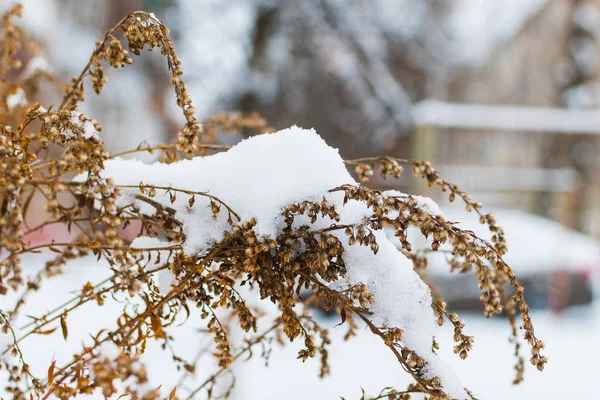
point(277, 214)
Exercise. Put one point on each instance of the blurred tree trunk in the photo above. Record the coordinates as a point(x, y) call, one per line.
point(560, 148)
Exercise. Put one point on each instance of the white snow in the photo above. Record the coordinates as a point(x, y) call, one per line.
point(535, 244)
point(37, 64)
point(156, 258)
point(109, 350)
point(258, 178)
point(16, 99)
point(362, 362)
point(571, 339)
point(151, 21)
point(143, 242)
point(425, 203)
point(89, 130)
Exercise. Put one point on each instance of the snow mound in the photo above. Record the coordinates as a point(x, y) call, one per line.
point(535, 244)
point(258, 178)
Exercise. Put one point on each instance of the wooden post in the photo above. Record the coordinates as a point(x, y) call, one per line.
point(423, 149)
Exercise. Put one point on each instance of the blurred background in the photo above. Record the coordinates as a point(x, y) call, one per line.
point(502, 96)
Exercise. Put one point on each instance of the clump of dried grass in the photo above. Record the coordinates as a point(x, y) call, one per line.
point(39, 148)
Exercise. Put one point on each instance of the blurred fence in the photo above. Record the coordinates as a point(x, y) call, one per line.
point(496, 150)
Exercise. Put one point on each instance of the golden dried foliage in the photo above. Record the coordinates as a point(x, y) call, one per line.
point(277, 268)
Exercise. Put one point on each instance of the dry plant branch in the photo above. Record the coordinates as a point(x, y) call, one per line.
point(311, 248)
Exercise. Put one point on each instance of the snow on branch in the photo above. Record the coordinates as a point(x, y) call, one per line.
point(260, 178)
point(277, 214)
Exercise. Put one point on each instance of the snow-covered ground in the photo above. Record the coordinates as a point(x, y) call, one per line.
point(360, 363)
point(41, 350)
point(400, 298)
point(535, 244)
point(572, 346)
